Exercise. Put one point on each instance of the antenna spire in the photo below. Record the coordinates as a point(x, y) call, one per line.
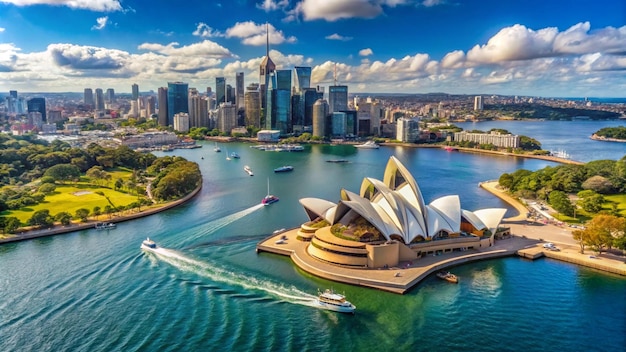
point(335, 74)
point(267, 37)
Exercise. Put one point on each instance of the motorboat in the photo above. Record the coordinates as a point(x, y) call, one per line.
point(448, 276)
point(234, 155)
point(337, 161)
point(333, 301)
point(285, 168)
point(248, 170)
point(148, 244)
point(105, 226)
point(368, 145)
point(269, 198)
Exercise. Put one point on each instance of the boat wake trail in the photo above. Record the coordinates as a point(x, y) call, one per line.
point(216, 274)
point(208, 228)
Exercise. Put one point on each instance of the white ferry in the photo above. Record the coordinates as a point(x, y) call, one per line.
point(148, 244)
point(335, 302)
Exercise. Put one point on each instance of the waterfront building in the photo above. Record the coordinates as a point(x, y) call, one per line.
point(239, 91)
point(226, 117)
point(220, 90)
point(99, 100)
point(389, 222)
point(268, 136)
point(135, 91)
point(407, 130)
point(149, 139)
point(478, 102)
point(338, 124)
point(37, 105)
point(176, 100)
point(163, 110)
point(337, 98)
point(278, 105)
point(198, 111)
point(252, 106)
point(320, 113)
point(181, 122)
point(495, 138)
point(88, 97)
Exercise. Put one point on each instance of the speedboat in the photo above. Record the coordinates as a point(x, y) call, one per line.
point(148, 244)
point(248, 170)
point(285, 168)
point(234, 155)
point(105, 226)
point(448, 276)
point(334, 301)
point(368, 145)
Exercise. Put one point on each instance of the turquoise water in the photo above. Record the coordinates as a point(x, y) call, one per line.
point(207, 288)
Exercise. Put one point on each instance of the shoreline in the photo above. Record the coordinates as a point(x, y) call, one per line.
point(60, 229)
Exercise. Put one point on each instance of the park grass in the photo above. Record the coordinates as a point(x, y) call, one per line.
point(65, 199)
point(619, 199)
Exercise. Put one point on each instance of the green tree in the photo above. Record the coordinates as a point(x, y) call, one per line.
point(599, 184)
point(96, 211)
point(561, 203)
point(47, 188)
point(40, 218)
point(11, 224)
point(63, 172)
point(82, 214)
point(63, 217)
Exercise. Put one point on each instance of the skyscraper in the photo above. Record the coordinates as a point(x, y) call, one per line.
point(239, 91)
point(37, 105)
point(253, 106)
point(267, 67)
point(163, 110)
point(320, 111)
point(338, 98)
point(220, 90)
point(302, 78)
point(110, 96)
point(13, 94)
point(99, 101)
point(191, 93)
point(176, 100)
point(278, 105)
point(135, 89)
point(88, 97)
point(478, 102)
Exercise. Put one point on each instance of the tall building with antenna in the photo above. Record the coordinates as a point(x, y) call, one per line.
point(337, 95)
point(267, 67)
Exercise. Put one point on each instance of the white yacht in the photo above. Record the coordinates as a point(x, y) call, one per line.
point(335, 302)
point(248, 170)
point(368, 145)
point(148, 244)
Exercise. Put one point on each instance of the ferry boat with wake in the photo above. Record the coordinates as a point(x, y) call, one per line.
point(333, 301)
point(148, 244)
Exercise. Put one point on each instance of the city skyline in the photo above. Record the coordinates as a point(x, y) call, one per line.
point(554, 49)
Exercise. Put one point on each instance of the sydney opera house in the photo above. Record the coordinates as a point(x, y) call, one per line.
point(389, 222)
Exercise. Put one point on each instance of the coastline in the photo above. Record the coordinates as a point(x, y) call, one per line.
point(595, 137)
point(31, 234)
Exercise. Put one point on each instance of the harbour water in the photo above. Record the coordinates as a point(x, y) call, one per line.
point(207, 288)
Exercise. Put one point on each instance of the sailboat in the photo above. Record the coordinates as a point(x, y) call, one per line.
point(227, 155)
point(269, 199)
point(216, 148)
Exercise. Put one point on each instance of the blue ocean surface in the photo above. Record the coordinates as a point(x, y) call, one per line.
point(206, 287)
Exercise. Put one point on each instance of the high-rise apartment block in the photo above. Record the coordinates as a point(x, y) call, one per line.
point(177, 100)
point(220, 90)
point(38, 105)
point(99, 100)
point(239, 91)
point(338, 98)
point(252, 105)
point(135, 91)
point(163, 110)
point(478, 102)
point(88, 97)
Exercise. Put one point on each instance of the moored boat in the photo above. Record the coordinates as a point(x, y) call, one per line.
point(148, 244)
point(234, 155)
point(248, 170)
point(285, 168)
point(448, 276)
point(368, 145)
point(105, 226)
point(217, 149)
point(333, 301)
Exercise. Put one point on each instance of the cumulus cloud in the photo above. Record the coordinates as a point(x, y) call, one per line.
point(271, 5)
point(431, 3)
point(87, 57)
point(453, 59)
point(366, 52)
point(203, 30)
point(255, 34)
point(206, 48)
point(101, 22)
point(93, 5)
point(336, 36)
point(333, 10)
point(1, 29)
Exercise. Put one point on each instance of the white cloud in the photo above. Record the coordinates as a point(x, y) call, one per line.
point(101, 23)
point(2, 29)
point(579, 40)
point(203, 30)
point(431, 3)
point(366, 52)
point(271, 5)
point(255, 34)
point(336, 36)
point(454, 59)
point(205, 48)
point(333, 10)
point(94, 5)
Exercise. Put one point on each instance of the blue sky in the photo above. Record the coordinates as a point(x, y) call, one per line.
point(553, 48)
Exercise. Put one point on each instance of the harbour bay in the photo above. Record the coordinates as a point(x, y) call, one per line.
point(96, 290)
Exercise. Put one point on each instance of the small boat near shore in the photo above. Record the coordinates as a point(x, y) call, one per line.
point(148, 244)
point(333, 301)
point(285, 168)
point(217, 149)
point(367, 145)
point(448, 276)
point(105, 226)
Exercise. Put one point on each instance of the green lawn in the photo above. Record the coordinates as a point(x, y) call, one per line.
point(69, 198)
point(620, 199)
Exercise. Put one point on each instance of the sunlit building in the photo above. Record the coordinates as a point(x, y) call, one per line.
point(177, 100)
